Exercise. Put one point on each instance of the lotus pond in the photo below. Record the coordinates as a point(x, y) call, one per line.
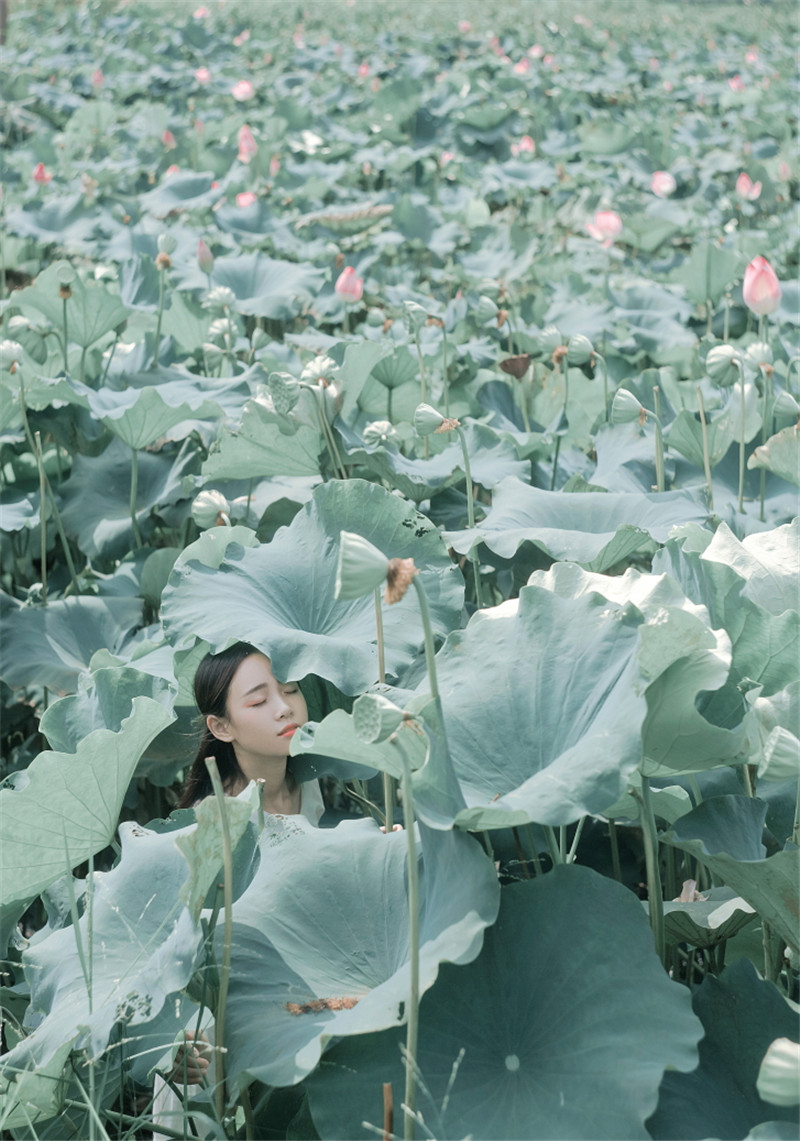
point(450, 355)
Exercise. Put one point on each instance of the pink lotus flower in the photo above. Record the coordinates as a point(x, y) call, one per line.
point(242, 38)
point(662, 184)
point(174, 169)
point(41, 174)
point(348, 286)
point(247, 144)
point(536, 51)
point(751, 56)
point(446, 157)
point(653, 63)
point(243, 90)
point(668, 86)
point(526, 145)
point(246, 198)
point(761, 289)
point(168, 139)
point(201, 13)
point(607, 226)
point(202, 75)
point(746, 188)
point(736, 83)
point(205, 258)
point(784, 171)
point(522, 66)
point(548, 60)
point(98, 79)
point(274, 166)
point(363, 70)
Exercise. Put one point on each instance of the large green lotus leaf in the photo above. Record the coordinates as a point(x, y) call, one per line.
point(280, 595)
point(766, 646)
point(68, 808)
point(767, 561)
point(708, 271)
point(97, 496)
point(724, 833)
point(680, 656)
point(520, 756)
point(685, 435)
point(597, 531)
point(566, 1021)
point(91, 310)
point(265, 287)
point(357, 361)
point(706, 922)
point(742, 1015)
point(51, 645)
point(103, 701)
point(325, 919)
point(183, 191)
point(780, 455)
point(264, 443)
point(66, 220)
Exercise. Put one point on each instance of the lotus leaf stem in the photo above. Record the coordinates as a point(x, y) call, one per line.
point(602, 359)
point(655, 892)
point(726, 325)
point(42, 519)
point(161, 272)
point(127, 1119)
point(659, 440)
point(795, 837)
point(565, 372)
point(792, 361)
point(327, 435)
point(748, 780)
point(740, 366)
point(225, 966)
point(476, 566)
point(388, 782)
point(423, 386)
point(430, 650)
point(445, 378)
point(552, 844)
point(537, 863)
point(706, 460)
point(137, 535)
point(575, 841)
point(66, 342)
point(766, 431)
point(412, 1030)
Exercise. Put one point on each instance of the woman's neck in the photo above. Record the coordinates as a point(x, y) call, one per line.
point(278, 793)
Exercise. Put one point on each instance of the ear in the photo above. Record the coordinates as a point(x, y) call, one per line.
point(219, 727)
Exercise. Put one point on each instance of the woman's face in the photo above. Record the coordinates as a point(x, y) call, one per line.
point(262, 716)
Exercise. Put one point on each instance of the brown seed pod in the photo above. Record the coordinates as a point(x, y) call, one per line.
point(398, 579)
point(516, 366)
point(163, 261)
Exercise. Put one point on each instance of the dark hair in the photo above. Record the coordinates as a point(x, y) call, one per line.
point(211, 684)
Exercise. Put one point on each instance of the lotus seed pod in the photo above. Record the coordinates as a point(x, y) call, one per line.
point(549, 340)
point(398, 579)
point(579, 350)
point(625, 408)
point(486, 311)
point(259, 340)
point(166, 244)
point(221, 297)
point(757, 354)
point(284, 390)
point(163, 261)
point(320, 368)
point(414, 316)
point(375, 318)
point(213, 354)
point(778, 1080)
point(785, 405)
point(375, 718)
point(65, 273)
point(332, 401)
point(378, 432)
point(361, 567)
point(207, 508)
point(427, 420)
point(11, 353)
point(721, 365)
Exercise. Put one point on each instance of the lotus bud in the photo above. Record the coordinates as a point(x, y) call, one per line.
point(348, 286)
point(375, 318)
point(205, 258)
point(579, 350)
point(375, 718)
point(778, 1080)
point(721, 365)
point(427, 420)
point(362, 567)
point(10, 355)
point(259, 340)
point(486, 311)
point(284, 390)
point(786, 405)
point(414, 316)
point(761, 289)
point(378, 432)
point(625, 408)
point(167, 244)
point(398, 579)
point(208, 509)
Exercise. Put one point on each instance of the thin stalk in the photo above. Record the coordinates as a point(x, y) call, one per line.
point(748, 781)
point(327, 435)
point(726, 326)
point(249, 495)
point(766, 430)
point(388, 782)
point(445, 378)
point(602, 359)
point(412, 1030)
point(42, 519)
point(741, 438)
point(575, 841)
point(161, 273)
point(225, 966)
point(126, 1119)
point(137, 535)
point(552, 844)
point(537, 863)
point(565, 373)
point(430, 650)
point(523, 859)
point(792, 361)
point(659, 441)
point(655, 893)
point(795, 837)
point(471, 516)
point(83, 364)
point(249, 1117)
point(64, 346)
point(706, 459)
point(423, 385)
point(523, 404)
point(695, 787)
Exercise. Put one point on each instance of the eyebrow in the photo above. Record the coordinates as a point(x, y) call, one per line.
point(261, 685)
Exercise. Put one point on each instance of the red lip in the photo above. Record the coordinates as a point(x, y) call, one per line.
point(289, 731)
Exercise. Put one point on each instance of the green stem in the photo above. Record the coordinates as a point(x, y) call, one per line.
point(110, 358)
point(137, 535)
point(602, 359)
point(552, 844)
point(748, 780)
point(83, 365)
point(565, 374)
point(423, 385)
point(42, 519)
point(659, 440)
point(126, 1119)
point(225, 966)
point(655, 892)
point(613, 840)
point(412, 1030)
point(537, 863)
point(766, 428)
point(430, 650)
point(706, 458)
point(726, 327)
point(741, 437)
point(161, 273)
point(575, 841)
point(795, 837)
point(792, 361)
point(64, 346)
point(445, 378)
point(388, 782)
point(471, 516)
point(555, 464)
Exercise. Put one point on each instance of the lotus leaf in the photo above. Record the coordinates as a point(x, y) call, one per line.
point(780, 454)
point(92, 311)
point(265, 287)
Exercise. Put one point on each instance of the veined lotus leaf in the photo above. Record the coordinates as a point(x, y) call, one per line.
point(35, 1095)
point(707, 921)
point(594, 530)
point(68, 809)
point(742, 1015)
point(724, 833)
point(565, 1033)
point(282, 593)
point(520, 755)
point(679, 655)
point(708, 271)
point(767, 561)
point(396, 369)
point(183, 191)
point(97, 496)
point(492, 459)
point(325, 920)
point(685, 435)
point(103, 701)
point(357, 362)
point(91, 310)
point(335, 736)
point(50, 645)
point(66, 220)
point(145, 946)
point(19, 512)
point(264, 444)
point(780, 455)
point(265, 287)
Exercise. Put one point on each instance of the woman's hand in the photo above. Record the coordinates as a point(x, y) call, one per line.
point(395, 828)
point(191, 1064)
